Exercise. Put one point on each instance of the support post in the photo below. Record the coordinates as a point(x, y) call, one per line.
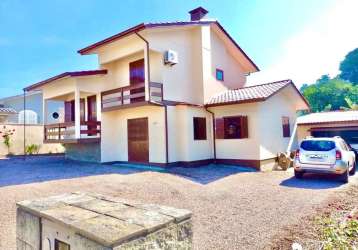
point(24, 124)
point(77, 114)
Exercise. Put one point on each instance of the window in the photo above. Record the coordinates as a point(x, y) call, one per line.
point(219, 75)
point(199, 128)
point(286, 127)
point(59, 245)
point(315, 145)
point(234, 127)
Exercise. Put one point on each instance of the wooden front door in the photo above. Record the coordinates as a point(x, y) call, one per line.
point(91, 113)
point(138, 140)
point(136, 75)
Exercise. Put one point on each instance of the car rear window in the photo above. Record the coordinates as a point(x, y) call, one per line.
point(318, 145)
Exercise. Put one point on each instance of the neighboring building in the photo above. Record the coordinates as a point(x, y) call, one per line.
point(170, 93)
point(5, 113)
point(12, 109)
point(328, 124)
point(12, 113)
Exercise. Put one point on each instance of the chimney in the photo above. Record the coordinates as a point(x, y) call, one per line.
point(197, 14)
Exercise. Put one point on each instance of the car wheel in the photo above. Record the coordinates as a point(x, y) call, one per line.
point(353, 170)
point(298, 174)
point(345, 177)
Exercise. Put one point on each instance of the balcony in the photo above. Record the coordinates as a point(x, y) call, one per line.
point(131, 96)
point(90, 131)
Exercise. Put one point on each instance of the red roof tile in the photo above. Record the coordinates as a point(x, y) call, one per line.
point(66, 74)
point(254, 93)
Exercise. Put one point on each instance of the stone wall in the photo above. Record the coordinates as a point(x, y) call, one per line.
point(176, 236)
point(28, 231)
point(90, 152)
point(92, 221)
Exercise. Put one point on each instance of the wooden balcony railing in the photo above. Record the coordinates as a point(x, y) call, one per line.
point(65, 132)
point(133, 94)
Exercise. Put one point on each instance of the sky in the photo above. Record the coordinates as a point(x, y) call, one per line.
point(296, 39)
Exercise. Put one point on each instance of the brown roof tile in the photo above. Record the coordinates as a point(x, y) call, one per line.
point(254, 93)
point(66, 74)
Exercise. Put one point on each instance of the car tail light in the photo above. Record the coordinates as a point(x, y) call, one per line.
point(297, 155)
point(338, 155)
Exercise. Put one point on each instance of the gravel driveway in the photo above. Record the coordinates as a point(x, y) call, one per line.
point(234, 208)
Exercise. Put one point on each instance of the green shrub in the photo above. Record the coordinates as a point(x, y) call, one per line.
point(32, 149)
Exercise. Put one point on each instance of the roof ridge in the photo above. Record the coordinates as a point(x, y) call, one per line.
point(263, 84)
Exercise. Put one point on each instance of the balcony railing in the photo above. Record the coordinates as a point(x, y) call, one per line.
point(65, 132)
point(133, 94)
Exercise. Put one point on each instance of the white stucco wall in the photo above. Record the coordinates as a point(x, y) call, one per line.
point(244, 149)
point(270, 123)
point(114, 140)
point(182, 146)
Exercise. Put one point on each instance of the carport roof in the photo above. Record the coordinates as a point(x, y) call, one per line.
point(328, 117)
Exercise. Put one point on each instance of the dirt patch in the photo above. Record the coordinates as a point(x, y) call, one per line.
point(309, 230)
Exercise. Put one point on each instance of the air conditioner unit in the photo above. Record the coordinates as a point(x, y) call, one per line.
point(170, 57)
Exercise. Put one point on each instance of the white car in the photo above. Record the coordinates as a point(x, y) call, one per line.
point(325, 155)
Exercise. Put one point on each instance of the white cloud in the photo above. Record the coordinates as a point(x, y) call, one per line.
point(318, 48)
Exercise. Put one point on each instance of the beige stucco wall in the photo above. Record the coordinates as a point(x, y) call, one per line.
point(270, 124)
point(245, 149)
point(114, 138)
point(34, 135)
point(265, 128)
point(183, 81)
point(182, 146)
point(216, 55)
point(200, 52)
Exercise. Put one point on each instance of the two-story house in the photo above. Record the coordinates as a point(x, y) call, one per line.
point(169, 93)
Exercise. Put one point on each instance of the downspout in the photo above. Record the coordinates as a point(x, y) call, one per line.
point(165, 106)
point(24, 124)
point(214, 135)
point(148, 65)
point(166, 134)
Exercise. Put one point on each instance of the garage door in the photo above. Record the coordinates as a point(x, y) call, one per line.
point(350, 135)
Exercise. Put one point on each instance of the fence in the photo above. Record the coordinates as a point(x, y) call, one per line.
point(34, 135)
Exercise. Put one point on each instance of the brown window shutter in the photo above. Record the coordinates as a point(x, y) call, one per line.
point(244, 127)
point(68, 111)
point(286, 127)
point(219, 128)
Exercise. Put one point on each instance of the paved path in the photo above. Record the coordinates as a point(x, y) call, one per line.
point(234, 208)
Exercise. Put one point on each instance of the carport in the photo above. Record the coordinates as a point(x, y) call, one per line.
point(329, 124)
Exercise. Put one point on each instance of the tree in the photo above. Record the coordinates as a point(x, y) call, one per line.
point(351, 104)
point(330, 95)
point(349, 67)
point(323, 79)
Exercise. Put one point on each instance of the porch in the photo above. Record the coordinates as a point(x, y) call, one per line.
point(78, 121)
point(66, 133)
point(131, 96)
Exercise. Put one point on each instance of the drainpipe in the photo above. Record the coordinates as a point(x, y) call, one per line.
point(166, 134)
point(24, 124)
point(148, 65)
point(214, 136)
point(165, 106)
